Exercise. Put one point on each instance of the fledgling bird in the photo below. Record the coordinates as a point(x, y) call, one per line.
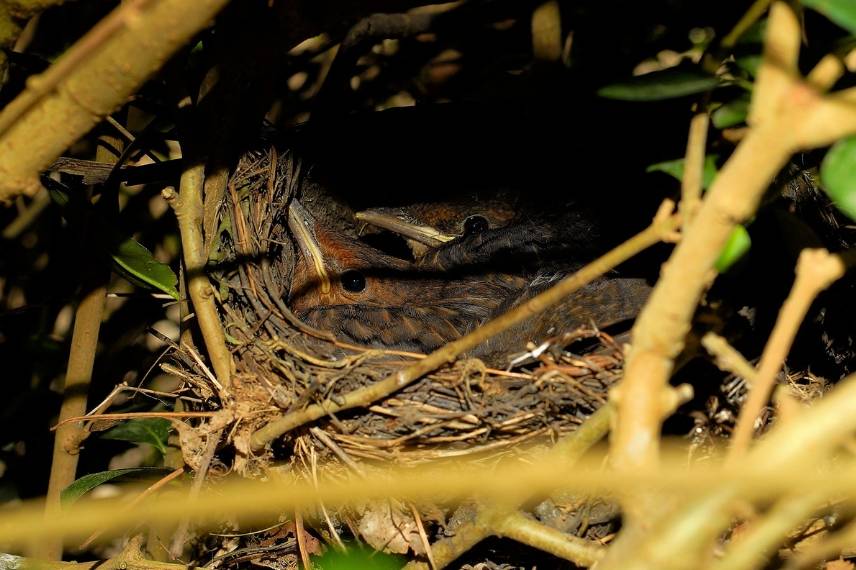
point(367, 297)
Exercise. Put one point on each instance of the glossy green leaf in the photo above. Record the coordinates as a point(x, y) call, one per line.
point(842, 12)
point(657, 85)
point(838, 175)
point(736, 247)
point(154, 431)
point(357, 558)
point(88, 482)
point(135, 262)
point(731, 114)
point(675, 168)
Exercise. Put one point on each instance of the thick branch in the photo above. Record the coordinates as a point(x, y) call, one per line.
point(91, 80)
point(798, 117)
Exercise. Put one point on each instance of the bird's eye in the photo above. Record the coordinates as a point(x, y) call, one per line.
point(475, 225)
point(353, 281)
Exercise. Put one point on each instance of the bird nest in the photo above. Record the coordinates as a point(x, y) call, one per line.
point(284, 366)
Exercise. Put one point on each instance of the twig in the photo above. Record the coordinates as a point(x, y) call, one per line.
point(422, 536)
point(755, 548)
point(188, 209)
point(338, 451)
point(14, 37)
point(130, 558)
point(81, 360)
point(136, 415)
point(529, 531)
point(330, 526)
point(547, 31)
point(541, 302)
point(150, 490)
point(77, 379)
point(180, 535)
point(299, 529)
point(750, 17)
point(841, 541)
point(816, 270)
point(728, 359)
point(691, 184)
point(30, 214)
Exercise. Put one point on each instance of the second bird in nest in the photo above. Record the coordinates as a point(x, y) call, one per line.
point(471, 263)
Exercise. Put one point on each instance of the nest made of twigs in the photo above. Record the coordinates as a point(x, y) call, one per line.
point(282, 365)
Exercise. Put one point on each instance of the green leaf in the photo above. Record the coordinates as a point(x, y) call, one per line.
point(675, 168)
point(736, 247)
point(838, 175)
point(731, 113)
point(749, 63)
point(657, 85)
point(842, 12)
point(88, 482)
point(154, 431)
point(136, 263)
point(357, 558)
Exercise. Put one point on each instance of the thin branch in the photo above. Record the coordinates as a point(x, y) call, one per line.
point(81, 360)
point(526, 530)
point(131, 558)
point(754, 549)
point(150, 490)
point(691, 184)
point(727, 358)
point(188, 209)
point(180, 535)
point(135, 415)
point(816, 270)
point(786, 115)
point(14, 36)
point(31, 213)
point(839, 543)
point(752, 15)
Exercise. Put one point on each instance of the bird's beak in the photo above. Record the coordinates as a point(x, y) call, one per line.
point(302, 226)
point(398, 221)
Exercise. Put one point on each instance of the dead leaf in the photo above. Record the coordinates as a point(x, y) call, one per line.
point(385, 526)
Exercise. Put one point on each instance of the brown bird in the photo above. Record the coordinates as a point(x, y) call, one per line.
point(429, 225)
point(367, 297)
